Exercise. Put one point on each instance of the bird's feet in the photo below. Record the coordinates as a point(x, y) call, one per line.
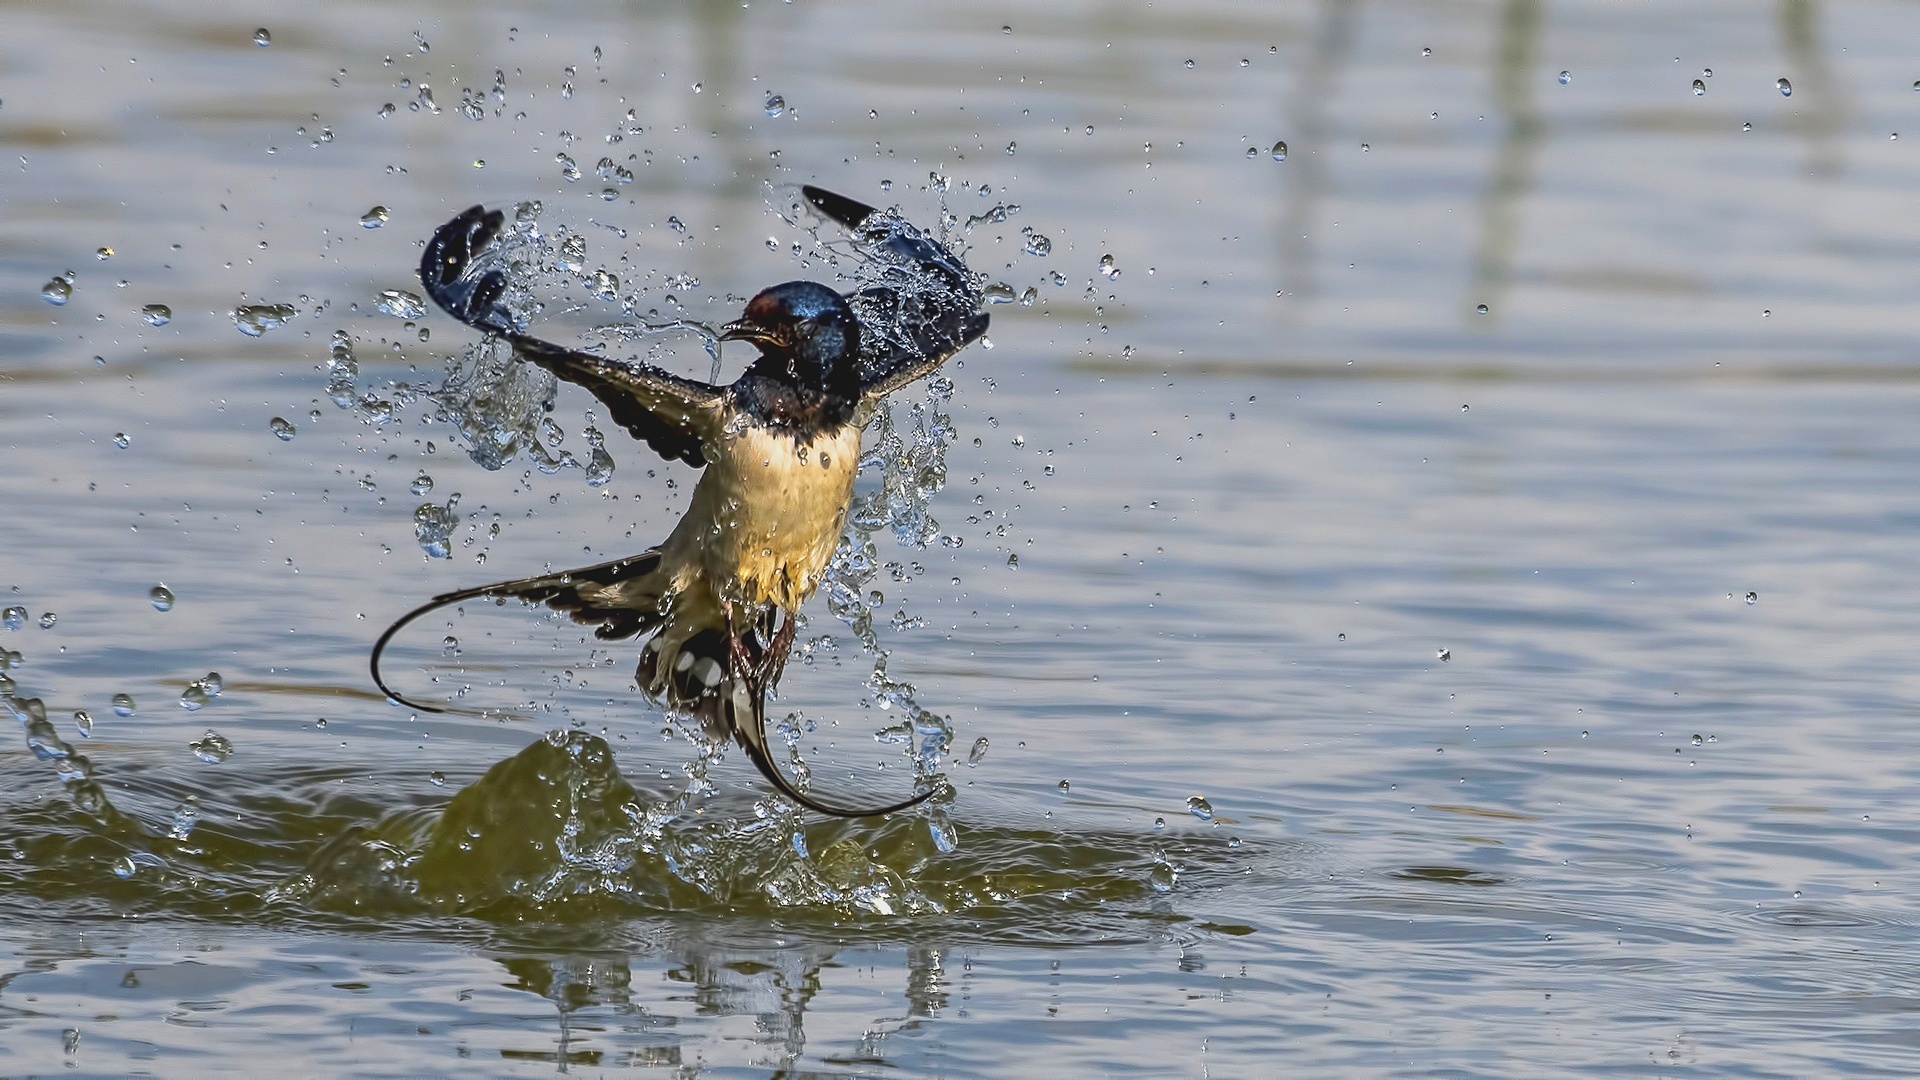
point(445, 270)
point(760, 664)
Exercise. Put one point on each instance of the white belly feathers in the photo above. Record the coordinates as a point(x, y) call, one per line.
point(766, 516)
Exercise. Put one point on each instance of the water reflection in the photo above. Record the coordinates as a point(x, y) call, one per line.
point(1510, 180)
point(699, 980)
point(1316, 89)
point(1825, 110)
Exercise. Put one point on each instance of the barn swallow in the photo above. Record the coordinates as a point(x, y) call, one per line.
point(780, 446)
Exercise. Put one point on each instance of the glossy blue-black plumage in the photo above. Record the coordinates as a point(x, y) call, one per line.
point(807, 379)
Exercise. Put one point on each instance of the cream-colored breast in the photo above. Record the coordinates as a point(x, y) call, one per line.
point(767, 514)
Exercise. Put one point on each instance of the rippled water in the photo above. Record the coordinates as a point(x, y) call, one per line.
point(1369, 684)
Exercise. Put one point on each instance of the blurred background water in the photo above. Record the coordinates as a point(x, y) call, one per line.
point(1439, 603)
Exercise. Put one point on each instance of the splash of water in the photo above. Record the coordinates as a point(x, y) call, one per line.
point(500, 407)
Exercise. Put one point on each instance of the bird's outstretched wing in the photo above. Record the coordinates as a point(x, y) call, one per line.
point(673, 415)
point(621, 596)
point(926, 307)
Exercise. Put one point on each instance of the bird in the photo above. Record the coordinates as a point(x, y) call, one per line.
point(717, 599)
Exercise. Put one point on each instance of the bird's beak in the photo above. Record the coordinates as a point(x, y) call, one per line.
point(748, 330)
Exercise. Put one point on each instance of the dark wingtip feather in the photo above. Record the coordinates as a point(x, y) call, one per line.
point(444, 264)
point(848, 212)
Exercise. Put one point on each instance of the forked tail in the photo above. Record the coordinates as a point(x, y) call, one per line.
point(701, 671)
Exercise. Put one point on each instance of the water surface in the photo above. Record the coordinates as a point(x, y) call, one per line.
point(1546, 672)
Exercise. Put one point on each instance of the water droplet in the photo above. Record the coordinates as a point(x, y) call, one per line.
point(775, 105)
point(1280, 151)
point(1036, 243)
point(47, 619)
point(979, 751)
point(998, 292)
point(437, 779)
point(1785, 87)
point(1159, 823)
point(1699, 740)
point(212, 748)
point(1013, 562)
point(123, 705)
point(941, 831)
point(281, 427)
point(1163, 877)
point(1342, 637)
point(1753, 598)
point(1012, 147)
point(433, 527)
point(194, 697)
point(1064, 785)
point(1746, 126)
point(83, 723)
point(262, 38)
point(185, 817)
point(1445, 654)
point(162, 598)
point(1426, 52)
point(1189, 65)
point(103, 254)
point(214, 683)
point(1199, 807)
point(121, 440)
point(1107, 269)
point(1252, 152)
point(156, 314)
point(450, 645)
point(254, 320)
point(1364, 148)
point(374, 218)
point(599, 469)
point(1699, 87)
point(1566, 77)
point(400, 304)
point(123, 867)
point(58, 291)
point(421, 485)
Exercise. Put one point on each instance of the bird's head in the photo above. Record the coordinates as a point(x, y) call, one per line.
point(808, 338)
